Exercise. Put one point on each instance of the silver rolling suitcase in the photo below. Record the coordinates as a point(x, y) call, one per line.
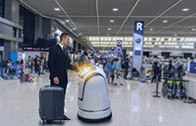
point(51, 103)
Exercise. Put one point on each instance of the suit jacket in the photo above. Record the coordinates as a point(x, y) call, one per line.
point(58, 63)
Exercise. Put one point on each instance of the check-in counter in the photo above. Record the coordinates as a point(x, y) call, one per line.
point(191, 85)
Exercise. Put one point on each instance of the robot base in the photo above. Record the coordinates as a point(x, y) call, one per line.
point(95, 120)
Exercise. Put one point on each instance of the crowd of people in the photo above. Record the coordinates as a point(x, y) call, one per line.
point(37, 64)
point(167, 69)
point(10, 68)
point(114, 68)
point(118, 69)
point(14, 69)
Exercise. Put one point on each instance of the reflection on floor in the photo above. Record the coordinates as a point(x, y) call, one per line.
point(132, 105)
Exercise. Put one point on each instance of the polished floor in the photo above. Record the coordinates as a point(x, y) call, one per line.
point(132, 105)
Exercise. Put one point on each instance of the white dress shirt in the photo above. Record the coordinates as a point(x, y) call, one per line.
point(61, 46)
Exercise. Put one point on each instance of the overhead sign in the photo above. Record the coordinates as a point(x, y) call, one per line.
point(138, 44)
point(119, 43)
point(171, 46)
point(186, 45)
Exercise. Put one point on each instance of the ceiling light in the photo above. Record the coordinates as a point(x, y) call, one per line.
point(165, 21)
point(175, 35)
point(67, 21)
point(115, 9)
point(111, 21)
point(109, 29)
point(57, 9)
point(74, 28)
point(185, 9)
point(151, 29)
point(193, 29)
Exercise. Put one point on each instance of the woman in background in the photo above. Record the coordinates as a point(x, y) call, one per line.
point(108, 70)
point(117, 69)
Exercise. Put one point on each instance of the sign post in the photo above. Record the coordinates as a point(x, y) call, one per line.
point(118, 51)
point(138, 44)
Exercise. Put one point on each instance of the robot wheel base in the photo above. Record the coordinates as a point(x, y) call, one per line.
point(95, 120)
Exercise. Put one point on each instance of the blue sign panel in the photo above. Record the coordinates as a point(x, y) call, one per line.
point(138, 44)
point(14, 56)
point(137, 52)
point(139, 27)
point(193, 68)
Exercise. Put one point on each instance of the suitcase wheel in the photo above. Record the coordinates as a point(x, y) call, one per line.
point(62, 121)
point(43, 122)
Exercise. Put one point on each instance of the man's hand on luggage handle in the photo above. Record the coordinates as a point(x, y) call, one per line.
point(56, 80)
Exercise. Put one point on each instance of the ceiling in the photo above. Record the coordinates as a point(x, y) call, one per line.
point(92, 17)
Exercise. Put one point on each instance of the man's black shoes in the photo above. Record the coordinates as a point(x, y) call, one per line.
point(66, 118)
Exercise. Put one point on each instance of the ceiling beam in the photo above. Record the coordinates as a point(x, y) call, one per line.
point(190, 16)
point(128, 16)
point(97, 10)
point(179, 1)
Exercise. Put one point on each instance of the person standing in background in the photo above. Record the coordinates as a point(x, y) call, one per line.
point(32, 64)
point(112, 72)
point(1, 68)
point(126, 68)
point(29, 62)
point(155, 70)
point(38, 67)
point(108, 70)
point(9, 67)
point(21, 66)
point(160, 72)
point(117, 69)
point(35, 64)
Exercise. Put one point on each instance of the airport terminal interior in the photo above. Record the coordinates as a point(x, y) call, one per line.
point(98, 62)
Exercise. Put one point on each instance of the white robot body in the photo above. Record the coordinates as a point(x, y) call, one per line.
point(93, 97)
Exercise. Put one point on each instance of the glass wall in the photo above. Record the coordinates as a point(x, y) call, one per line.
point(2, 8)
point(27, 20)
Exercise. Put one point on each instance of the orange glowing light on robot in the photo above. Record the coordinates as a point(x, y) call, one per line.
point(85, 68)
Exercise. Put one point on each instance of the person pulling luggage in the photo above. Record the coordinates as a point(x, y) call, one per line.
point(58, 63)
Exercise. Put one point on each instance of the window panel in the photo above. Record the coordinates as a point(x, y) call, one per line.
point(2, 8)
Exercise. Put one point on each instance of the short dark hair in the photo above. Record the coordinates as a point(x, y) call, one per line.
point(63, 35)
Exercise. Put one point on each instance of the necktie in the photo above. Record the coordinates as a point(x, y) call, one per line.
point(64, 50)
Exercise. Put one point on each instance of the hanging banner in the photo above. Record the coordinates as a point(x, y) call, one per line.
point(118, 50)
point(138, 36)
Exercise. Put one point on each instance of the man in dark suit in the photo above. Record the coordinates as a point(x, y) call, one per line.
point(58, 63)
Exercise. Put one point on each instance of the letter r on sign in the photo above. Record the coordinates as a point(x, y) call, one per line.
point(139, 26)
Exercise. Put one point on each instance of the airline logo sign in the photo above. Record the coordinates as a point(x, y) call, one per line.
point(119, 43)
